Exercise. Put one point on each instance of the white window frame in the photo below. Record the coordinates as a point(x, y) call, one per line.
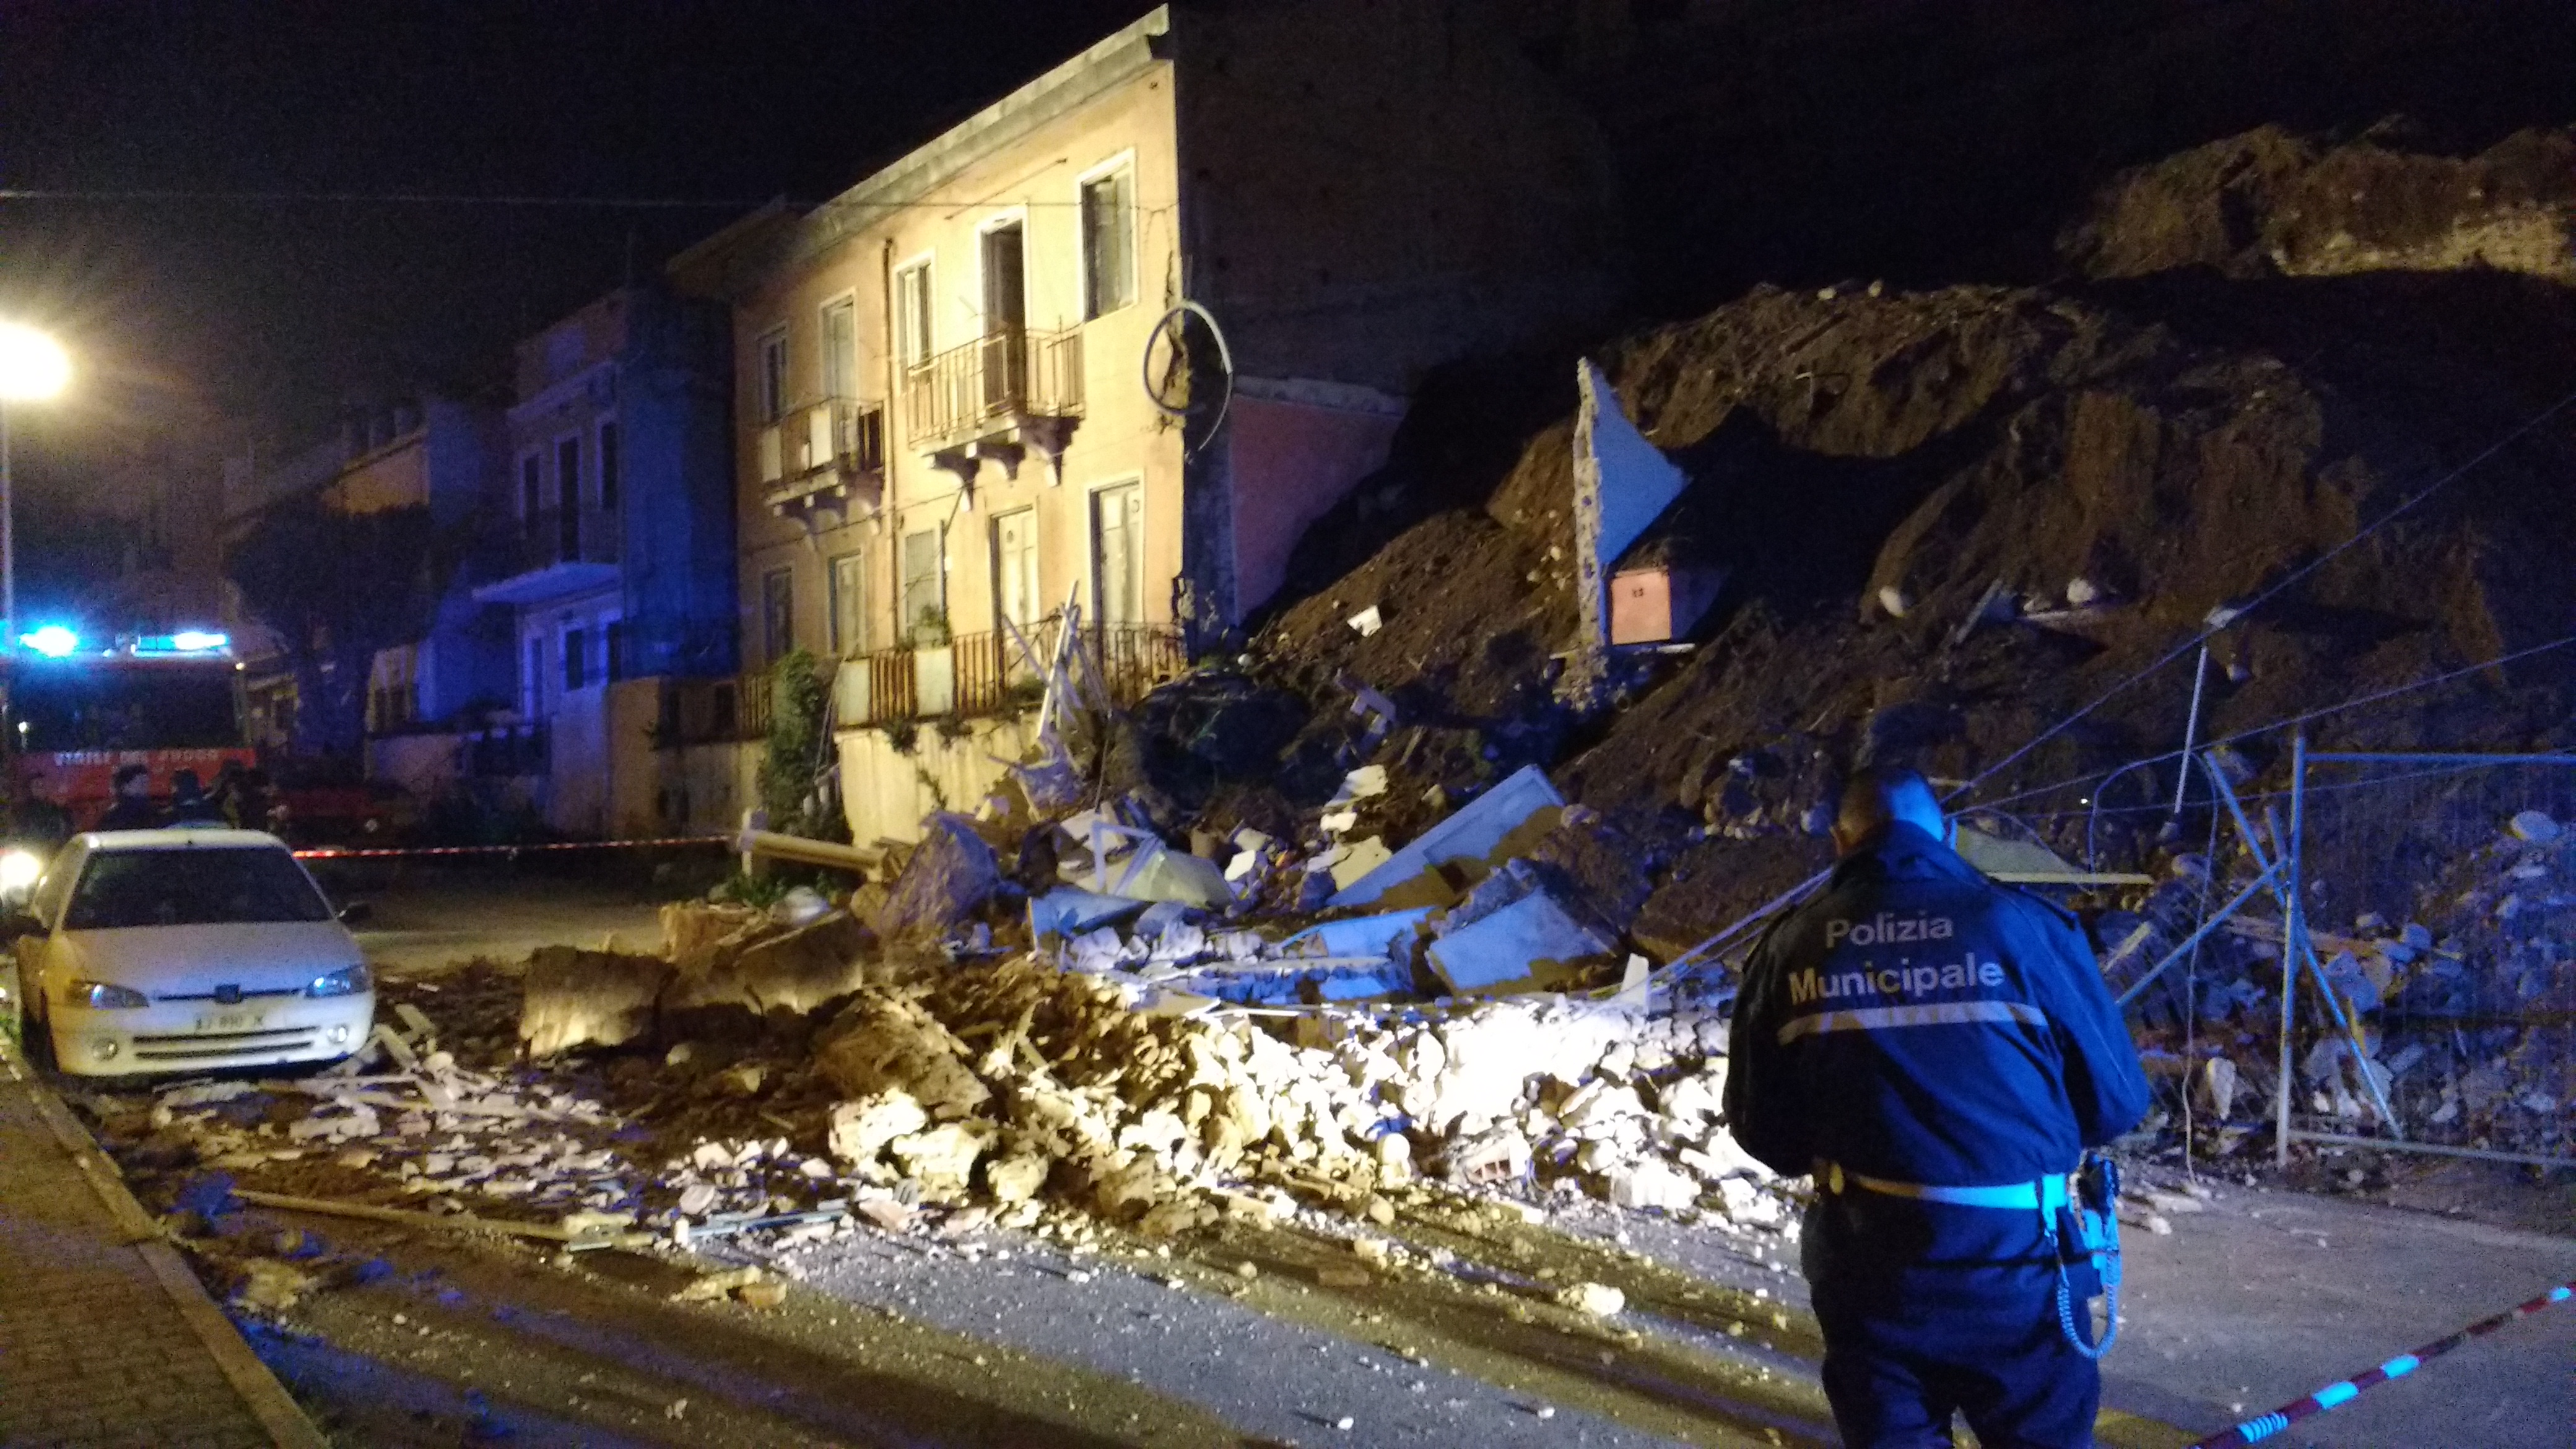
point(835, 605)
point(911, 352)
point(1037, 562)
point(580, 469)
point(769, 409)
point(1008, 216)
point(534, 691)
point(1123, 161)
point(823, 341)
point(601, 428)
point(1091, 543)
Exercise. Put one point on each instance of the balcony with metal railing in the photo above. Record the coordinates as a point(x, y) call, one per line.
point(552, 554)
point(999, 397)
point(981, 675)
point(825, 456)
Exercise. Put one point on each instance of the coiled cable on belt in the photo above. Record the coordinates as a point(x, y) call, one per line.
point(2047, 1196)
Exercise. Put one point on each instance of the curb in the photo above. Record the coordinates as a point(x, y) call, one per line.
point(265, 1398)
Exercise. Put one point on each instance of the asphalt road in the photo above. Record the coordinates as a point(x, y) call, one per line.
point(426, 915)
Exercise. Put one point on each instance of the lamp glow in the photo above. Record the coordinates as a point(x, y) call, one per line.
point(199, 641)
point(33, 366)
point(53, 641)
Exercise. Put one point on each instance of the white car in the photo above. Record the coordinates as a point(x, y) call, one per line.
point(182, 950)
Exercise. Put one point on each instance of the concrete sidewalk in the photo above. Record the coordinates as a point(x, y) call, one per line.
point(105, 1336)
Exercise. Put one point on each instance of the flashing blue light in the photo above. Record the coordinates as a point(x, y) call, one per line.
point(53, 641)
point(186, 641)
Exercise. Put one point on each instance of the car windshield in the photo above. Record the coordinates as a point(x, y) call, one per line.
point(192, 887)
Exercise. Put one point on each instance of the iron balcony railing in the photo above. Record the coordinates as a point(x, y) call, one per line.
point(506, 751)
point(824, 446)
point(554, 536)
point(978, 675)
point(994, 382)
point(711, 711)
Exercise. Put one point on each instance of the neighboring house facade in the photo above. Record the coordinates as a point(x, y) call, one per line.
point(612, 531)
point(1116, 341)
point(434, 453)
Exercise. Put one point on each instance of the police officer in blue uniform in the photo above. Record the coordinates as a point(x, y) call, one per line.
point(1938, 1051)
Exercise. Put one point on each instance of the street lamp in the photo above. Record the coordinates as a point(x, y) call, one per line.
point(33, 368)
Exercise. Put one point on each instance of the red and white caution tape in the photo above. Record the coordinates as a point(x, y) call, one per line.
point(334, 852)
point(2256, 1430)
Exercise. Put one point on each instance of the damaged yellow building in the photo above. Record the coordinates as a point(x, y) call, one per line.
point(1115, 342)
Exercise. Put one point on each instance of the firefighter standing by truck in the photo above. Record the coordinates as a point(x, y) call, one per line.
point(1938, 1051)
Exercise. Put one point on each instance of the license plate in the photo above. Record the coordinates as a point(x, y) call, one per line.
point(229, 1021)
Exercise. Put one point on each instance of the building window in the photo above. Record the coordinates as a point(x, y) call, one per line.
point(912, 314)
point(612, 638)
point(925, 593)
point(1015, 566)
point(773, 375)
point(531, 489)
point(532, 684)
point(1118, 554)
point(849, 584)
point(840, 349)
point(1108, 242)
point(608, 466)
point(576, 659)
point(1006, 278)
point(778, 613)
point(568, 498)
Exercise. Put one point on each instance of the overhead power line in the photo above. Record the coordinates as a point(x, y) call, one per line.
point(2510, 437)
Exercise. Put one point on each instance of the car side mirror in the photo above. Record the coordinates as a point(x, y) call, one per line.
point(357, 913)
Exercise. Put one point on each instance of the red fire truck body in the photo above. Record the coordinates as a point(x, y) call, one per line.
point(75, 719)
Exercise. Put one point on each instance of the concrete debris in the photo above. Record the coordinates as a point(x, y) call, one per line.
point(1594, 1300)
point(1528, 941)
point(1453, 854)
point(2451, 1008)
point(949, 877)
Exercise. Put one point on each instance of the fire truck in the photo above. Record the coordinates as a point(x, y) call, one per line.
point(75, 713)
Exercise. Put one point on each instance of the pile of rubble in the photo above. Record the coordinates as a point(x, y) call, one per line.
point(2457, 1014)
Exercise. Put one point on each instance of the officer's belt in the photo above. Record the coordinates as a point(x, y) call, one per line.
point(2042, 1195)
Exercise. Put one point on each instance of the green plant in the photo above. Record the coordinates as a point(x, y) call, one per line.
point(902, 735)
point(1022, 694)
point(757, 891)
point(798, 753)
point(953, 728)
point(929, 630)
point(930, 784)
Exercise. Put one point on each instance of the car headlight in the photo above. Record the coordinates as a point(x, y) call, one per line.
point(347, 981)
point(101, 996)
point(19, 869)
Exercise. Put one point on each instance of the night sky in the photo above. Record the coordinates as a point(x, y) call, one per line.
point(195, 317)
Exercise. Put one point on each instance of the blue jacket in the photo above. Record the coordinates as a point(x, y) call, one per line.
point(1917, 1021)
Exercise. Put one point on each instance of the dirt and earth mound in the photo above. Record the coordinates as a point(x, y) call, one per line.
point(2268, 203)
point(1951, 518)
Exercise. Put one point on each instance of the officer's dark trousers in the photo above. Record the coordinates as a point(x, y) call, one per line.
point(1927, 1309)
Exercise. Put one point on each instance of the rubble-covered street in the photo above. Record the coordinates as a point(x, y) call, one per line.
point(1118, 787)
point(1007, 1222)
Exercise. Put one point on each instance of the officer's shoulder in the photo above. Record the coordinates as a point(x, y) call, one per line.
point(2032, 902)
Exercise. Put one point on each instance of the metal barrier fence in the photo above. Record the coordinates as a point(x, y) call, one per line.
point(2439, 891)
point(983, 674)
